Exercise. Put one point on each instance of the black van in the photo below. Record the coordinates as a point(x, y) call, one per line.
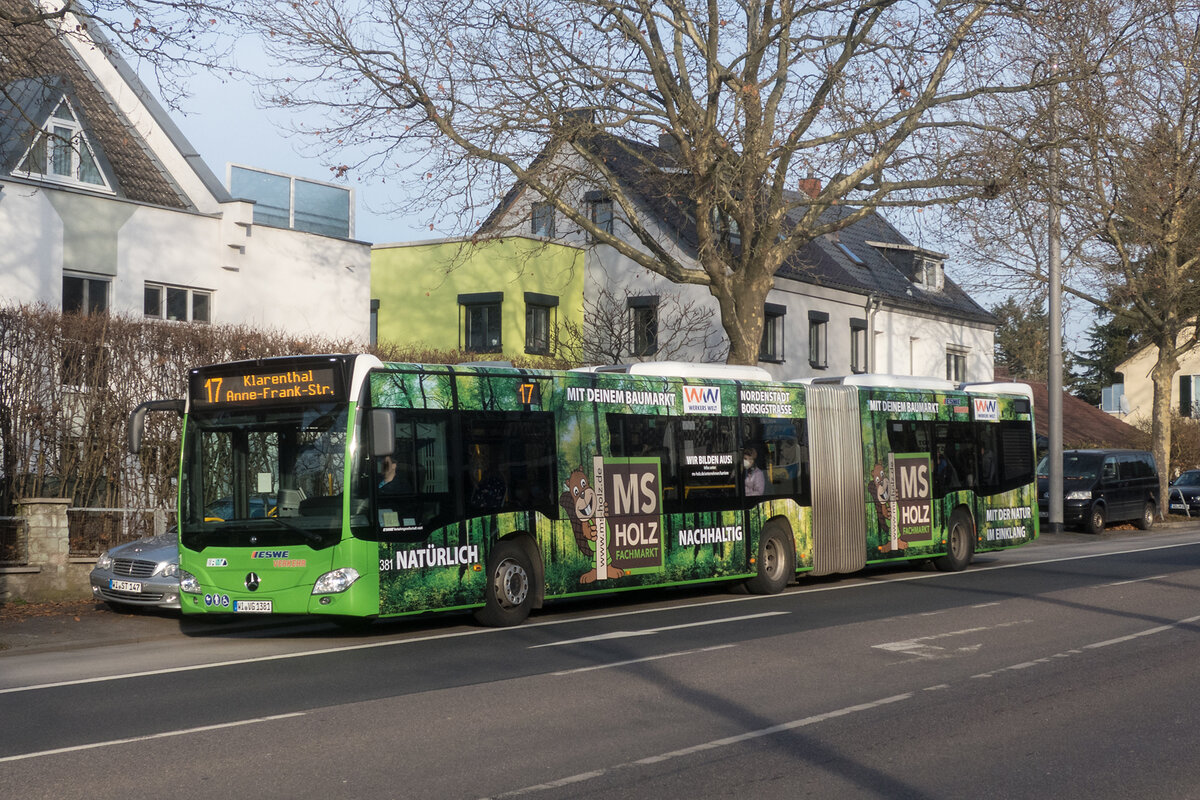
point(1102, 486)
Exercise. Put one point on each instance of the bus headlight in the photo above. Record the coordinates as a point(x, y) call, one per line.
point(188, 582)
point(337, 581)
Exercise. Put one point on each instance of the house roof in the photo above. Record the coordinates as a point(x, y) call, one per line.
point(37, 67)
point(1084, 425)
point(646, 170)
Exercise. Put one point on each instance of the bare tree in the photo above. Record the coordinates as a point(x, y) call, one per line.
point(1127, 130)
point(609, 332)
point(875, 99)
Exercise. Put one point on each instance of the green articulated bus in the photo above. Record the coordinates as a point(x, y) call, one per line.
point(341, 485)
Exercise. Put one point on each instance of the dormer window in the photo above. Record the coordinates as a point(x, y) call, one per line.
point(929, 274)
point(61, 152)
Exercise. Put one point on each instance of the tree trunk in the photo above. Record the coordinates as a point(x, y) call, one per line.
point(1162, 375)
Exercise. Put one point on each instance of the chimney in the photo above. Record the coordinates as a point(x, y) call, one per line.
point(667, 143)
point(810, 186)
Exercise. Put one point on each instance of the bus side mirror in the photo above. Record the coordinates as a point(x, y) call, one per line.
point(137, 420)
point(383, 432)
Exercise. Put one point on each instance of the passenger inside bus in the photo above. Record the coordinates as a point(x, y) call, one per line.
point(753, 479)
point(490, 489)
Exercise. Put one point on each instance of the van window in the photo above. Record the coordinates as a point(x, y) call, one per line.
point(1137, 465)
point(1110, 468)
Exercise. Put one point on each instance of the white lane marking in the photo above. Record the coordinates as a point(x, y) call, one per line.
point(1148, 632)
point(1170, 626)
point(601, 637)
point(641, 660)
point(149, 737)
point(715, 744)
point(920, 647)
point(1135, 580)
point(572, 620)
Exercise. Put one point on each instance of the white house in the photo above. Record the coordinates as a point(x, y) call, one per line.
point(104, 206)
point(862, 300)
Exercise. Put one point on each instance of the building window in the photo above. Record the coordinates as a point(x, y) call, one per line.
point(818, 339)
point(373, 333)
point(1112, 399)
point(62, 152)
point(177, 303)
point(481, 321)
point(1189, 395)
point(929, 273)
point(282, 201)
point(771, 348)
point(956, 364)
point(85, 295)
point(542, 218)
point(858, 346)
point(600, 210)
point(643, 312)
point(539, 308)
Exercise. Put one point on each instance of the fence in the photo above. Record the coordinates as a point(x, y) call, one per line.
point(94, 530)
point(14, 541)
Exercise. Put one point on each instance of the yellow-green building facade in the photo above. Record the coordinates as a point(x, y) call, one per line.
point(499, 299)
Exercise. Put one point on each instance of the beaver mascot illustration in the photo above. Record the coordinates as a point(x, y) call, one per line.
point(580, 502)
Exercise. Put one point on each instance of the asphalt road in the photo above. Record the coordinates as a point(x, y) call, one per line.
point(1064, 669)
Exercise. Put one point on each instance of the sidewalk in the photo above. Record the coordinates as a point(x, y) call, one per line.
point(86, 623)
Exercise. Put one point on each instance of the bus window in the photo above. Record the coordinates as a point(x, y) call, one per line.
point(509, 462)
point(1015, 455)
point(412, 486)
point(954, 457)
point(782, 447)
point(708, 457)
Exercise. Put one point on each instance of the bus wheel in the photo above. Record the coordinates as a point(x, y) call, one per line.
point(776, 556)
point(509, 593)
point(960, 544)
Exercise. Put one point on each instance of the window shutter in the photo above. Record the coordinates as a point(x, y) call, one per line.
point(1185, 395)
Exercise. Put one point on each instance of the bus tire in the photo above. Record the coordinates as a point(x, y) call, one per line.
point(509, 594)
point(776, 559)
point(960, 543)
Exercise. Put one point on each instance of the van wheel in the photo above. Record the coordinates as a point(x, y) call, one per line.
point(1146, 520)
point(960, 544)
point(510, 591)
point(776, 561)
point(1096, 519)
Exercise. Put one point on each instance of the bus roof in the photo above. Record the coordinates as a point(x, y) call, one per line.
point(685, 369)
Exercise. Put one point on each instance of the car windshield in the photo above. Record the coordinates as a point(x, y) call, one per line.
point(1189, 478)
point(1075, 465)
point(258, 477)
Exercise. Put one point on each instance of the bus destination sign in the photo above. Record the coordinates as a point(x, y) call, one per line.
point(254, 388)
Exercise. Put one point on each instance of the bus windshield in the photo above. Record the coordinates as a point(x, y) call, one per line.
point(264, 476)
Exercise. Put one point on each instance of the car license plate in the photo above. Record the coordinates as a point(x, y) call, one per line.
point(1177, 506)
point(252, 606)
point(125, 586)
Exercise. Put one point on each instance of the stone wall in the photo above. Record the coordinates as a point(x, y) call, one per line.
point(52, 575)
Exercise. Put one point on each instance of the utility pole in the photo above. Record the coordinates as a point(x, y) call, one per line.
point(1054, 380)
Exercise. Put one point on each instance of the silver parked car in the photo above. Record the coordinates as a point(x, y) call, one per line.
point(141, 573)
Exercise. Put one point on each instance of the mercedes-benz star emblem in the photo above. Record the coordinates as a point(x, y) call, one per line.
point(252, 581)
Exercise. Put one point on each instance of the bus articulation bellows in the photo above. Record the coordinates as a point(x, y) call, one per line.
point(340, 485)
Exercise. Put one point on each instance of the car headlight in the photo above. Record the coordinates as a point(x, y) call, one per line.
point(188, 582)
point(168, 569)
point(1085, 495)
point(104, 561)
point(337, 581)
